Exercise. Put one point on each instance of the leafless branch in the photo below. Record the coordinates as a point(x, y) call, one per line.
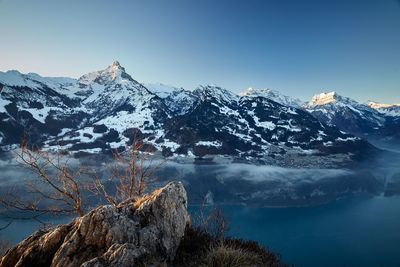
point(131, 172)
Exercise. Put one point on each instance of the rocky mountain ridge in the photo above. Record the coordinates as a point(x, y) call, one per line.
point(371, 121)
point(104, 110)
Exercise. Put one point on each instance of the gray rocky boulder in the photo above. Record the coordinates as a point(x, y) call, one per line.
point(144, 232)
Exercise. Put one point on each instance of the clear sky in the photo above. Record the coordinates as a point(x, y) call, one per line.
point(297, 47)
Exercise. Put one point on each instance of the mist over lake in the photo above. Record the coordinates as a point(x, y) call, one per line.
point(134, 132)
point(334, 234)
point(303, 214)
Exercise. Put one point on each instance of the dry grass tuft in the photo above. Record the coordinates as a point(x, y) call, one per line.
point(199, 248)
point(224, 255)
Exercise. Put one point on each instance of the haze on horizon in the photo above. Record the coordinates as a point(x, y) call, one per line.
point(296, 47)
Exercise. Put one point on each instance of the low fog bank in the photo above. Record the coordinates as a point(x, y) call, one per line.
point(261, 185)
point(271, 186)
point(388, 145)
point(254, 173)
point(227, 183)
point(240, 183)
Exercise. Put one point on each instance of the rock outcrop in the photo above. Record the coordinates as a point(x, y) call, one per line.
point(144, 232)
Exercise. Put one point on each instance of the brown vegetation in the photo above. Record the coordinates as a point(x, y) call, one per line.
point(57, 189)
point(205, 244)
point(60, 188)
point(198, 248)
point(131, 173)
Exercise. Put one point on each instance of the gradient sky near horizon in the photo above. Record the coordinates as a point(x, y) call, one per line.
point(297, 47)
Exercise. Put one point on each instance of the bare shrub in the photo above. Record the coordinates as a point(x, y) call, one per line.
point(131, 172)
point(60, 188)
point(57, 189)
point(211, 220)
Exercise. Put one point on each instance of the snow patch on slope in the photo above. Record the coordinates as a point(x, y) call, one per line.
point(386, 109)
point(160, 89)
point(17, 79)
point(273, 95)
point(209, 143)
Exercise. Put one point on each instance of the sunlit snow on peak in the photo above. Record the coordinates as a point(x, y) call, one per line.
point(323, 98)
point(114, 72)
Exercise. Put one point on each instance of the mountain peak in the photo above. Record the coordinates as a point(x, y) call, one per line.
point(114, 72)
point(376, 105)
point(115, 64)
point(115, 67)
point(324, 98)
point(253, 91)
point(271, 94)
point(213, 91)
point(13, 78)
point(333, 98)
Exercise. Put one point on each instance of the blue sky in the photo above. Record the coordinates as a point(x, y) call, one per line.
point(297, 47)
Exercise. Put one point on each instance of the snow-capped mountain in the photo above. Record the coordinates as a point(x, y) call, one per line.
point(362, 120)
point(178, 100)
point(160, 89)
point(344, 112)
point(386, 109)
point(273, 95)
point(33, 80)
point(256, 127)
point(105, 109)
point(117, 105)
point(38, 104)
point(114, 91)
point(72, 112)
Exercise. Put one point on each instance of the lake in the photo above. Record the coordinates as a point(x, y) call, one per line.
point(351, 232)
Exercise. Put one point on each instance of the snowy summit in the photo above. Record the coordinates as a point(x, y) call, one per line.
point(114, 72)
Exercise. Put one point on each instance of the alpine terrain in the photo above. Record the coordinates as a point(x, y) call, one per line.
point(106, 109)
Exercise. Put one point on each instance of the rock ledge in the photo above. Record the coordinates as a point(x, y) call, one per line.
point(143, 233)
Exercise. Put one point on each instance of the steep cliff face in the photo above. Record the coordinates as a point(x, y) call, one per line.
point(136, 233)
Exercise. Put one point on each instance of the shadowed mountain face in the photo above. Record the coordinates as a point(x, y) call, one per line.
point(104, 110)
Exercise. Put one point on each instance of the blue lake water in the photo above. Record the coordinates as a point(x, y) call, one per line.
point(355, 232)
point(351, 232)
